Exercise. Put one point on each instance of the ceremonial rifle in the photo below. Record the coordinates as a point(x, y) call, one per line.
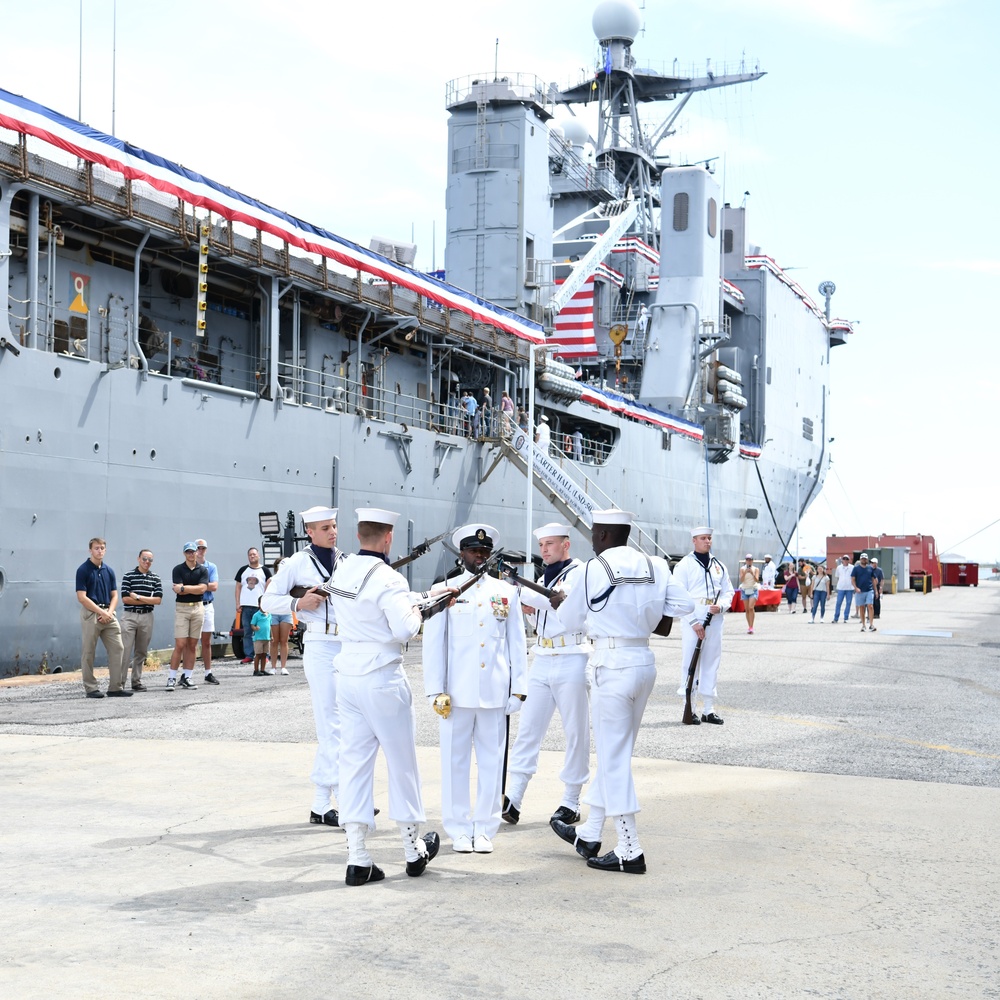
point(419, 550)
point(554, 597)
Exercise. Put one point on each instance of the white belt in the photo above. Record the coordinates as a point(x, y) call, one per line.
point(350, 646)
point(611, 642)
point(558, 641)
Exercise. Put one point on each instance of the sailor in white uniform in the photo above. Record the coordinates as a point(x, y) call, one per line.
point(475, 652)
point(310, 568)
point(620, 601)
point(377, 614)
point(557, 680)
point(707, 581)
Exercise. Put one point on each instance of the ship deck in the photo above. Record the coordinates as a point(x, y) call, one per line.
point(834, 838)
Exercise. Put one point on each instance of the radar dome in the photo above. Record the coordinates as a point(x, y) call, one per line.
point(617, 19)
point(557, 130)
point(575, 131)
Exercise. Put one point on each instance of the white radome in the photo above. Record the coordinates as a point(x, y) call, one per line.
point(576, 131)
point(617, 19)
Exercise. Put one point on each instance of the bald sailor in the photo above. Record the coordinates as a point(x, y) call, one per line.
point(476, 654)
point(707, 581)
point(557, 680)
point(377, 614)
point(311, 568)
point(620, 600)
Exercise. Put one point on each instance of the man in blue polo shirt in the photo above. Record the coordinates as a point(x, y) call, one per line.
point(863, 578)
point(97, 592)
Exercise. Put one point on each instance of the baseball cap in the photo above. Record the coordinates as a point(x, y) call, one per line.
point(190, 547)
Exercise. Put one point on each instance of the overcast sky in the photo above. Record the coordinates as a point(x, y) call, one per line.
point(865, 150)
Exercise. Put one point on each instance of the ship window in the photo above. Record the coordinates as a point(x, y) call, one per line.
point(713, 217)
point(680, 211)
point(807, 428)
point(727, 239)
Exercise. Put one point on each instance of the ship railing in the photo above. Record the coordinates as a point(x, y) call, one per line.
point(498, 86)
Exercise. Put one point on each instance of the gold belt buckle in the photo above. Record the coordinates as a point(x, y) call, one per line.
point(545, 643)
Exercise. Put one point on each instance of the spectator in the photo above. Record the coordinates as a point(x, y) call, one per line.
point(507, 412)
point(260, 627)
point(281, 630)
point(820, 592)
point(190, 582)
point(768, 573)
point(208, 604)
point(863, 578)
point(522, 418)
point(142, 591)
point(791, 587)
point(471, 408)
point(749, 585)
point(878, 580)
point(97, 592)
point(845, 588)
point(805, 576)
point(485, 414)
point(251, 580)
point(578, 445)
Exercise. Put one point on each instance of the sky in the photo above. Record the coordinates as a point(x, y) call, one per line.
point(866, 151)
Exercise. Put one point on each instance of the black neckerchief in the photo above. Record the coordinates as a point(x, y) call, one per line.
point(703, 557)
point(325, 557)
point(377, 555)
point(553, 570)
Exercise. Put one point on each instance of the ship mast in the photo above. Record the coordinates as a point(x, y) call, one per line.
point(624, 146)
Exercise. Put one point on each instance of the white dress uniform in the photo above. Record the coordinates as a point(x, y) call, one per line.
point(707, 585)
point(557, 679)
point(374, 607)
point(623, 596)
point(320, 647)
point(476, 652)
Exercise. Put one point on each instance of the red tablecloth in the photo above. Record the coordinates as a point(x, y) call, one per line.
point(764, 599)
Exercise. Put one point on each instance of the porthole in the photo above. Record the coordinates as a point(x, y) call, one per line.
point(58, 373)
point(97, 447)
point(152, 454)
point(3, 580)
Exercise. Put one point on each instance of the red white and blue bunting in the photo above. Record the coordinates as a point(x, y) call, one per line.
point(24, 116)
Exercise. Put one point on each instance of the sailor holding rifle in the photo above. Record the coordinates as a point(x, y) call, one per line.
point(377, 614)
point(558, 679)
point(622, 598)
point(475, 673)
point(304, 573)
point(707, 581)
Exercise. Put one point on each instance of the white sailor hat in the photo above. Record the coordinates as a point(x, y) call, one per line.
point(314, 514)
point(701, 529)
point(543, 417)
point(376, 515)
point(612, 516)
point(475, 536)
point(552, 530)
point(769, 556)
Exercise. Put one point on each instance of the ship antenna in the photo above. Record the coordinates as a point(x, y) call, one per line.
point(496, 58)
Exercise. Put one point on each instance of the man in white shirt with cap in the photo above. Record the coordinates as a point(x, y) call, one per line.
point(558, 679)
point(621, 599)
point(377, 614)
point(309, 569)
point(708, 583)
point(476, 653)
point(768, 573)
point(543, 435)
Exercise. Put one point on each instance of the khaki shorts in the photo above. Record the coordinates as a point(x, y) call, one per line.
point(261, 645)
point(188, 619)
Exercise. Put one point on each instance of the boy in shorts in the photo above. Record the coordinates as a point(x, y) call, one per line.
point(260, 626)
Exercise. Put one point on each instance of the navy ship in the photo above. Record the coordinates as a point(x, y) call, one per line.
point(179, 358)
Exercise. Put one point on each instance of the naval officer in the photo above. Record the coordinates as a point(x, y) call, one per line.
point(558, 679)
point(620, 600)
point(476, 653)
point(377, 614)
point(707, 581)
point(310, 568)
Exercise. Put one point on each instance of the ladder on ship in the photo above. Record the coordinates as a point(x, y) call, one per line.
point(564, 490)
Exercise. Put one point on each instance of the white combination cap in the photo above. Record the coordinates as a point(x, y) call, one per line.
point(314, 514)
point(702, 529)
point(613, 516)
point(475, 536)
point(377, 516)
point(551, 530)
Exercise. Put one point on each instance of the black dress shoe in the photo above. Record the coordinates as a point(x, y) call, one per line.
point(139, 686)
point(120, 693)
point(712, 719)
point(695, 721)
point(329, 818)
point(565, 815)
point(433, 843)
point(585, 848)
point(612, 863)
point(356, 875)
point(95, 694)
point(509, 813)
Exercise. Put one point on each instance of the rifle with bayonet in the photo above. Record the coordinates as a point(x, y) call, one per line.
point(435, 603)
point(554, 597)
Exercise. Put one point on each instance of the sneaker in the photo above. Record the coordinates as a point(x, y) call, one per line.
point(283, 672)
point(258, 673)
point(863, 629)
point(269, 670)
point(138, 686)
point(871, 628)
point(171, 683)
point(247, 659)
point(210, 678)
point(185, 683)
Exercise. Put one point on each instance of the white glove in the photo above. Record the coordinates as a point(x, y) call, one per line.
point(513, 704)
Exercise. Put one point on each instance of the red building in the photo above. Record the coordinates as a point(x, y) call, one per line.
point(923, 552)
